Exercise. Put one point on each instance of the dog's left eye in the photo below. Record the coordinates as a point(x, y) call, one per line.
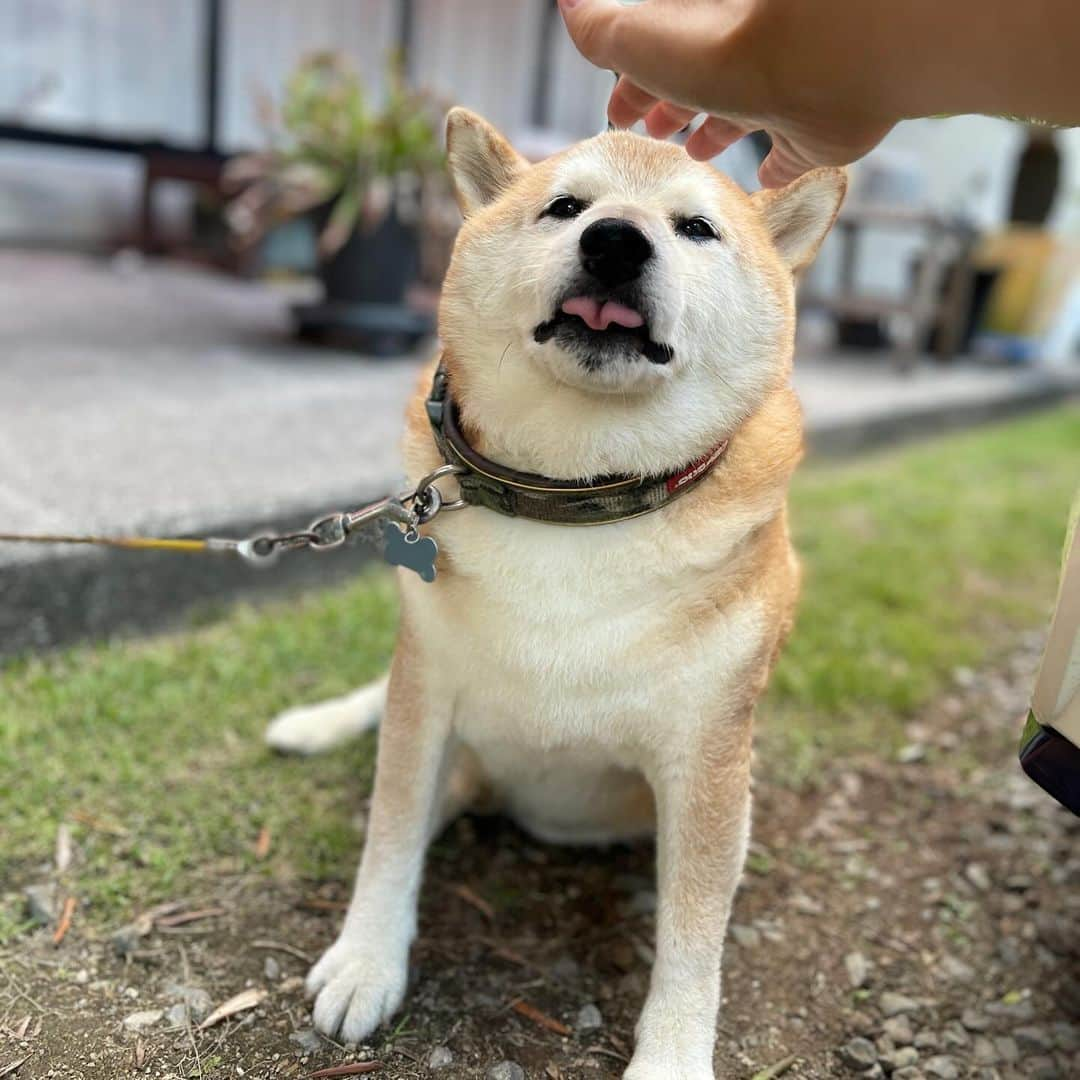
point(696, 228)
point(564, 207)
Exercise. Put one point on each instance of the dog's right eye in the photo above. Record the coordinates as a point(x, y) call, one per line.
point(564, 208)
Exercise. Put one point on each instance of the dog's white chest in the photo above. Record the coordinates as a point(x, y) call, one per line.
point(556, 636)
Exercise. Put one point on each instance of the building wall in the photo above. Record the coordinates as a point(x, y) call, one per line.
point(132, 67)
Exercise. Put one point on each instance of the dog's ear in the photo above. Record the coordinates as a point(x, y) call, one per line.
point(481, 162)
point(798, 216)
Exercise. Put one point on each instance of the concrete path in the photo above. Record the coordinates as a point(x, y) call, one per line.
point(151, 397)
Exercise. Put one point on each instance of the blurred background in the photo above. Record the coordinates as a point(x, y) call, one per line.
point(224, 224)
point(223, 228)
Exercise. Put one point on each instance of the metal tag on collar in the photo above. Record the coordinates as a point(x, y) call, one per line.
point(404, 546)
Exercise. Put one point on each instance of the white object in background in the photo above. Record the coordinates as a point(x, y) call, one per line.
point(1061, 346)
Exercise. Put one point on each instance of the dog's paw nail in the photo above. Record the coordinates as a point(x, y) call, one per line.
point(355, 990)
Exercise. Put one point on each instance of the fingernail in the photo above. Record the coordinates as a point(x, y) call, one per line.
point(567, 4)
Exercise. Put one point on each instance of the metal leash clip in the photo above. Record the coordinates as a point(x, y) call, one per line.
point(406, 511)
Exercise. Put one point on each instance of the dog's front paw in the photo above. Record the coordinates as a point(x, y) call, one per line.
point(357, 986)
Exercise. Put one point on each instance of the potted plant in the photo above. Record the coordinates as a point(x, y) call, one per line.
point(359, 171)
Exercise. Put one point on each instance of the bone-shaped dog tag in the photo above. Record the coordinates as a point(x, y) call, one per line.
point(409, 549)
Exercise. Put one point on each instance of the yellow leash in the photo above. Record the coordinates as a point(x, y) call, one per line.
point(151, 543)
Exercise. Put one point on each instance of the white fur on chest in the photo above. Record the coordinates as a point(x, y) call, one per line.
point(557, 637)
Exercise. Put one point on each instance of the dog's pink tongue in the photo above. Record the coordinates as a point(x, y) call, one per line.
point(599, 316)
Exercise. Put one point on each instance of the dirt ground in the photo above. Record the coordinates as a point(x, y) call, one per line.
point(916, 917)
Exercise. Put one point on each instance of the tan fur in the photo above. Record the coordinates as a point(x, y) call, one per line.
point(594, 682)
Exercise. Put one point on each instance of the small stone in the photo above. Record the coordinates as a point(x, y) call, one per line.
point(126, 940)
point(1019, 882)
point(1066, 1036)
point(440, 1057)
point(140, 1021)
point(984, 1051)
point(942, 1068)
point(859, 1053)
point(927, 1040)
point(806, 905)
point(894, 1004)
point(506, 1070)
point(177, 1015)
point(1033, 1040)
point(1007, 1049)
point(862, 1023)
point(954, 1037)
point(308, 1040)
point(909, 1073)
point(898, 1028)
point(82, 976)
point(1058, 934)
point(974, 1020)
point(588, 1018)
point(1068, 996)
point(746, 937)
point(1042, 1068)
point(41, 902)
point(858, 970)
point(198, 1001)
point(956, 969)
point(271, 969)
point(911, 753)
point(903, 1058)
point(977, 875)
point(964, 677)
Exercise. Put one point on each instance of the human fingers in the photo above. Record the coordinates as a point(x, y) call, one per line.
point(664, 119)
point(628, 103)
point(713, 137)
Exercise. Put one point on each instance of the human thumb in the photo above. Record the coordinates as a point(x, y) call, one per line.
point(591, 24)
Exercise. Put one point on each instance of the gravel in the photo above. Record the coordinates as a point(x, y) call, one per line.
point(588, 1018)
point(859, 1053)
point(942, 1067)
point(506, 1070)
point(857, 968)
point(894, 1004)
point(1033, 1040)
point(440, 1058)
point(41, 902)
point(308, 1040)
point(140, 1021)
point(974, 1020)
point(898, 1028)
point(902, 1058)
point(746, 937)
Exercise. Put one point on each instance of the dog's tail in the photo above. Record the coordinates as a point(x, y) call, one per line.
point(313, 729)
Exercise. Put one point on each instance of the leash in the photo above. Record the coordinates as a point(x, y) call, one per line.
point(399, 515)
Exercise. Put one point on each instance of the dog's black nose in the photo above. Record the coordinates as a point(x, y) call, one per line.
point(614, 250)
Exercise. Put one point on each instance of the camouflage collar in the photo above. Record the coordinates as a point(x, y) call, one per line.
point(540, 498)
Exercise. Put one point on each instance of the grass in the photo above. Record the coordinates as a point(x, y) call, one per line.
point(918, 560)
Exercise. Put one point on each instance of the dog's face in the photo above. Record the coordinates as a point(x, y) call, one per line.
point(620, 283)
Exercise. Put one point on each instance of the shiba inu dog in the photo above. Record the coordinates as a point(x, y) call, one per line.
point(617, 332)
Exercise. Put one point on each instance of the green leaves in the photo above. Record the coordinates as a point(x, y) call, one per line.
point(328, 145)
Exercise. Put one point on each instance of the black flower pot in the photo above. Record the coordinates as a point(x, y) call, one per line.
point(365, 285)
point(372, 267)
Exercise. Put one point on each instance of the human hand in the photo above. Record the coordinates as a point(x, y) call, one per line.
point(803, 72)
